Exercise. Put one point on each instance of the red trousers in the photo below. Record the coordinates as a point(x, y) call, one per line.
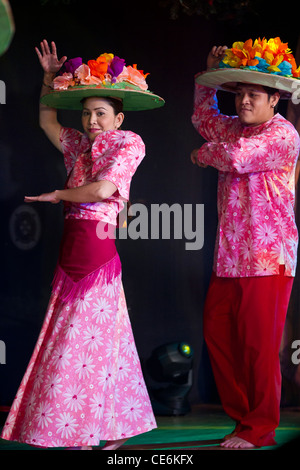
point(243, 325)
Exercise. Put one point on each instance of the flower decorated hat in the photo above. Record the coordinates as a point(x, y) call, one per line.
point(107, 76)
point(7, 26)
point(260, 62)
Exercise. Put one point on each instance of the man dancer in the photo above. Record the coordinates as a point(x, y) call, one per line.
point(255, 153)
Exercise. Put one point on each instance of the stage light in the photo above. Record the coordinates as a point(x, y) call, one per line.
point(185, 349)
point(172, 364)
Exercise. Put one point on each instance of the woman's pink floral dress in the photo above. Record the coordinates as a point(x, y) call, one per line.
point(84, 381)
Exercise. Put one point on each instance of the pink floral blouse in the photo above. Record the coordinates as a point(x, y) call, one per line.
point(114, 156)
point(256, 189)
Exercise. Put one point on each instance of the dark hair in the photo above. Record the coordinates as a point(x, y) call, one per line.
point(115, 103)
point(271, 92)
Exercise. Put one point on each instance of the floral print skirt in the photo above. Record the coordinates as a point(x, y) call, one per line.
point(84, 381)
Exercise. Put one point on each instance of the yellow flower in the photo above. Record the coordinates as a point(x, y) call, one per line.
point(276, 46)
point(273, 68)
point(241, 54)
point(238, 45)
point(108, 57)
point(231, 59)
point(269, 57)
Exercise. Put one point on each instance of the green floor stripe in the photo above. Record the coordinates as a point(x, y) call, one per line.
point(169, 428)
point(202, 429)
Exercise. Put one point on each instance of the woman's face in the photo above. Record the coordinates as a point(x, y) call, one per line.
point(99, 116)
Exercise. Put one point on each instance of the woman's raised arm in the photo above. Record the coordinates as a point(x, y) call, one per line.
point(51, 65)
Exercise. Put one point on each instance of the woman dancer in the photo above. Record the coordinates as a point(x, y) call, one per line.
point(84, 381)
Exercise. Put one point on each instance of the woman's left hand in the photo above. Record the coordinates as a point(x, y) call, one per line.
point(45, 197)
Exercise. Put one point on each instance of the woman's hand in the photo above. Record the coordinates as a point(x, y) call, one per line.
point(86, 194)
point(194, 158)
point(215, 56)
point(48, 116)
point(45, 197)
point(48, 58)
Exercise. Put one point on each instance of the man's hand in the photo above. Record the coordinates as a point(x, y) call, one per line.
point(215, 56)
point(194, 158)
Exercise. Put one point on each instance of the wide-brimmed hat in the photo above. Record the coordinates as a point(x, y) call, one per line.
point(7, 26)
point(107, 76)
point(261, 62)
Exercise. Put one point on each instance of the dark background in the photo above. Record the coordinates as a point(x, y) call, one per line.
point(165, 284)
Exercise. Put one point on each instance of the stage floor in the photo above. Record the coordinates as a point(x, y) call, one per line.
point(201, 429)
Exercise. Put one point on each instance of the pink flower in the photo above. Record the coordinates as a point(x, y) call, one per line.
point(83, 75)
point(134, 76)
point(62, 82)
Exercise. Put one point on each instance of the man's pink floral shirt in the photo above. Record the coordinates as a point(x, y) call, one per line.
point(256, 189)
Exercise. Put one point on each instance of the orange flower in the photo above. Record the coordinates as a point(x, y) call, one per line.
point(241, 54)
point(99, 66)
point(98, 69)
point(296, 72)
point(292, 61)
point(275, 46)
point(250, 53)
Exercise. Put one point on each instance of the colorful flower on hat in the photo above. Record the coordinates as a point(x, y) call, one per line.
point(64, 81)
point(269, 56)
point(116, 67)
point(99, 66)
point(132, 75)
point(71, 65)
point(106, 70)
point(83, 76)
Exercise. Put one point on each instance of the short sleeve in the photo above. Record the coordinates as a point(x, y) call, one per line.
point(117, 154)
point(70, 140)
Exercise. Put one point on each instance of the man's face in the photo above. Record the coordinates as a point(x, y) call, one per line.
point(253, 104)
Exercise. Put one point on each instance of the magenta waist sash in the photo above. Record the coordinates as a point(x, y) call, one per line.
point(84, 257)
